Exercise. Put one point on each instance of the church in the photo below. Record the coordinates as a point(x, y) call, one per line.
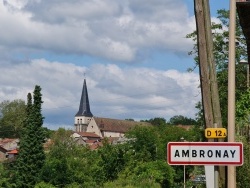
point(85, 122)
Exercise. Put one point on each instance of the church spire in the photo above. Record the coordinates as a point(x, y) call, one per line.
point(84, 107)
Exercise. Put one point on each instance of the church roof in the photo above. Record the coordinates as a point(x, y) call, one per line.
point(115, 125)
point(84, 107)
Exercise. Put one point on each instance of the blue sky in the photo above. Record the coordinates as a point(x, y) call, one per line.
point(133, 53)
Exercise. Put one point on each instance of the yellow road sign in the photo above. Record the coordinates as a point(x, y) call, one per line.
point(215, 133)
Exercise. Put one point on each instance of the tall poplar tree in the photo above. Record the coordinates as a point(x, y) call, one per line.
point(31, 154)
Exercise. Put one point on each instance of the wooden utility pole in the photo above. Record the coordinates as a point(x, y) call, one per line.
point(203, 64)
point(219, 171)
point(209, 86)
point(231, 174)
point(212, 68)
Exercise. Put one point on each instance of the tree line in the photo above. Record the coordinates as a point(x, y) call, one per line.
point(140, 162)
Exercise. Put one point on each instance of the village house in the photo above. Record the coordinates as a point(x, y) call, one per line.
point(9, 143)
point(8, 148)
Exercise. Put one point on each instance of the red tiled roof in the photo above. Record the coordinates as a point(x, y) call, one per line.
point(115, 125)
point(7, 140)
point(13, 152)
point(88, 134)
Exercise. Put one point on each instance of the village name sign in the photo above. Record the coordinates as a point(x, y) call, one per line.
point(205, 153)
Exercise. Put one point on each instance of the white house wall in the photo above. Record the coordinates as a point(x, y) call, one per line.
point(93, 128)
point(112, 134)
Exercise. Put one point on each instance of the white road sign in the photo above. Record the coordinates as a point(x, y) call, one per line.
point(205, 153)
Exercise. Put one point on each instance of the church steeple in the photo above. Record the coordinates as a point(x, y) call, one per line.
point(84, 107)
point(84, 115)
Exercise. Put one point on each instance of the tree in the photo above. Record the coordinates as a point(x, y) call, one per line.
point(12, 115)
point(56, 168)
point(243, 114)
point(70, 165)
point(181, 120)
point(44, 185)
point(145, 143)
point(31, 154)
point(158, 121)
point(4, 177)
point(112, 160)
point(153, 174)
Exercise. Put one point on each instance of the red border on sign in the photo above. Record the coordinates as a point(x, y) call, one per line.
point(239, 144)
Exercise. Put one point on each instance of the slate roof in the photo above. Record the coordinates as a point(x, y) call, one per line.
point(115, 125)
point(84, 107)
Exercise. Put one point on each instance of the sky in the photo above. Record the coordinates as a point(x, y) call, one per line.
point(133, 55)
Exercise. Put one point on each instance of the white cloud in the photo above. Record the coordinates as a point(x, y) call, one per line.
point(37, 35)
point(109, 29)
point(115, 92)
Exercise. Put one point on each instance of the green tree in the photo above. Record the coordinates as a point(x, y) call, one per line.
point(56, 168)
point(69, 165)
point(153, 174)
point(139, 162)
point(157, 121)
point(31, 154)
point(56, 172)
point(12, 115)
point(243, 171)
point(112, 160)
point(4, 176)
point(181, 120)
point(144, 143)
point(44, 185)
point(243, 114)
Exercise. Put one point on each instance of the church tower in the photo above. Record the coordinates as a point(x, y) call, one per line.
point(84, 115)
